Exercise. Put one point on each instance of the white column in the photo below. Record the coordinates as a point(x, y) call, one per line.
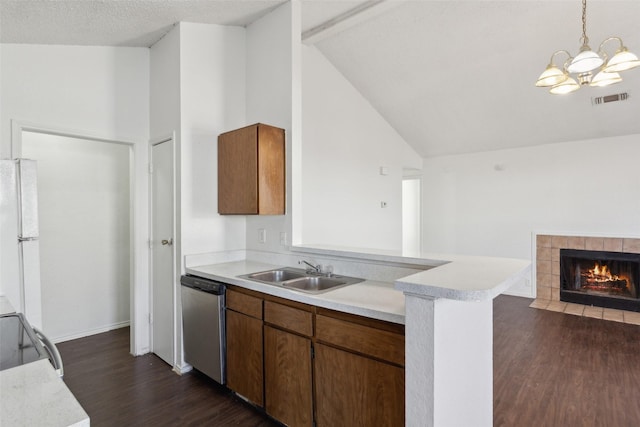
point(449, 362)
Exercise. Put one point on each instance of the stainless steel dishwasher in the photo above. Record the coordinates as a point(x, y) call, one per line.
point(203, 326)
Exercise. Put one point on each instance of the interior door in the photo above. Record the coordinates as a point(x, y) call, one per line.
point(163, 285)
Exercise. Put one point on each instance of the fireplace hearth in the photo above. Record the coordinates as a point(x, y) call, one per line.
point(599, 278)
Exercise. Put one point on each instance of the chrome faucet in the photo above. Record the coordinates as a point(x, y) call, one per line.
point(317, 269)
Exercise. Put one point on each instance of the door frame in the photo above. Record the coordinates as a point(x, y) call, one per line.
point(139, 331)
point(175, 247)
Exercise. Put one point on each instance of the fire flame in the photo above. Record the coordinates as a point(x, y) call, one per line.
point(602, 273)
point(600, 279)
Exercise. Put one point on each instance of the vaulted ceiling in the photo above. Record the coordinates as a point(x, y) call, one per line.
point(450, 76)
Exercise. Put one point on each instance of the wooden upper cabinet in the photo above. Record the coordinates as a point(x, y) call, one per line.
point(251, 171)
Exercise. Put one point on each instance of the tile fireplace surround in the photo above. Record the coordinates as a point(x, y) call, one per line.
point(548, 274)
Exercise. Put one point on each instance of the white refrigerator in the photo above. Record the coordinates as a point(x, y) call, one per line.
point(19, 248)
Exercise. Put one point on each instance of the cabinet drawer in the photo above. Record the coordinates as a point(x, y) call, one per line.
point(362, 339)
point(290, 318)
point(243, 303)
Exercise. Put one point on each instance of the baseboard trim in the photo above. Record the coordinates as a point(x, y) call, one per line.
point(89, 332)
point(518, 293)
point(182, 369)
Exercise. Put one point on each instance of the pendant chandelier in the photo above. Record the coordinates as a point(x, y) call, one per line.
point(588, 67)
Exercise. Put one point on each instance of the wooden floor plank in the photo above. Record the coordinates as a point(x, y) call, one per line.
point(555, 369)
point(550, 369)
point(117, 389)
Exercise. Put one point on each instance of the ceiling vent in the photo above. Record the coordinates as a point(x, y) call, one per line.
point(610, 98)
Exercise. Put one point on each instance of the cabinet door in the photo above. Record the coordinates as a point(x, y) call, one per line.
point(251, 171)
point(238, 171)
point(244, 356)
point(287, 365)
point(353, 390)
point(271, 170)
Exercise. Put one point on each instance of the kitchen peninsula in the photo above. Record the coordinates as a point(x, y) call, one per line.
point(444, 301)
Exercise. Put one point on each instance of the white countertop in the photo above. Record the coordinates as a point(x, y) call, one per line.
point(34, 395)
point(377, 300)
point(463, 278)
point(467, 278)
point(457, 277)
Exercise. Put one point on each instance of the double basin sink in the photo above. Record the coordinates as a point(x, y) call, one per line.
point(300, 280)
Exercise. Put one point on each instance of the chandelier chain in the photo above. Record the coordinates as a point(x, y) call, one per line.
point(585, 39)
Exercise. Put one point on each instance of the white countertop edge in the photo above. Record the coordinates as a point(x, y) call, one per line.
point(329, 300)
point(466, 282)
point(460, 277)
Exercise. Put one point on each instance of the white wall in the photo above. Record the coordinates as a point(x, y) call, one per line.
point(85, 257)
point(345, 142)
point(99, 90)
point(490, 203)
point(164, 87)
point(94, 91)
point(272, 85)
point(212, 101)
point(198, 92)
point(164, 123)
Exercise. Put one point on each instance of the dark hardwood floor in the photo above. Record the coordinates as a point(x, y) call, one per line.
point(117, 389)
point(555, 369)
point(550, 369)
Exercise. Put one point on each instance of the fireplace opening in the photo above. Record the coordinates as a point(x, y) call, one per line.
point(604, 279)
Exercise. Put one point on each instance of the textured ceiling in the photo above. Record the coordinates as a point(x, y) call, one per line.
point(450, 76)
point(137, 23)
point(116, 22)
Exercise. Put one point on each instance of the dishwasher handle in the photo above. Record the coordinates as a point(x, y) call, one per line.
point(54, 354)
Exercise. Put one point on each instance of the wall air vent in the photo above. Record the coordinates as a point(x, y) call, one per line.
point(610, 98)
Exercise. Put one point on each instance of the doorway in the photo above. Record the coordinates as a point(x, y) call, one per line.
point(84, 197)
point(163, 280)
point(411, 216)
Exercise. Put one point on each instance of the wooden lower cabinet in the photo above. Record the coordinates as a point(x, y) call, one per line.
point(245, 373)
point(353, 390)
point(301, 362)
point(288, 377)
